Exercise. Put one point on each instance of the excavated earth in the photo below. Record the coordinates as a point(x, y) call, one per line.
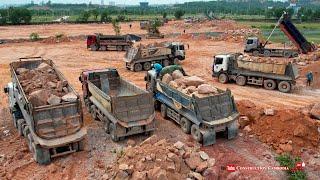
point(271, 122)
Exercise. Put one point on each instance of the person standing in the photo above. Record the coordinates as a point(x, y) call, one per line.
point(309, 78)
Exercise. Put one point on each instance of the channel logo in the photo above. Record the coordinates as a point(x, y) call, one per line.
point(231, 168)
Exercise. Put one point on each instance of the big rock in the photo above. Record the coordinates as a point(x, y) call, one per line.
point(177, 74)
point(206, 89)
point(54, 100)
point(167, 78)
point(315, 111)
point(193, 81)
point(70, 97)
point(39, 98)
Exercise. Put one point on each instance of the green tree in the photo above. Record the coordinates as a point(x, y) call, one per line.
point(179, 13)
point(164, 15)
point(19, 15)
point(105, 17)
point(95, 14)
point(116, 26)
point(3, 17)
point(121, 18)
point(84, 16)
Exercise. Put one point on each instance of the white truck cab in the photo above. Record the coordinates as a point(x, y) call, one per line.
point(221, 62)
point(179, 50)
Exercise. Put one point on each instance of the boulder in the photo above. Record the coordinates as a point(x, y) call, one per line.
point(122, 175)
point(167, 78)
point(44, 67)
point(194, 161)
point(191, 89)
point(195, 175)
point(269, 112)
point(39, 98)
point(315, 111)
point(247, 128)
point(70, 97)
point(65, 89)
point(179, 145)
point(300, 131)
point(173, 84)
point(206, 89)
point(204, 156)
point(21, 71)
point(243, 121)
point(177, 74)
point(203, 166)
point(181, 82)
point(193, 81)
point(52, 85)
point(54, 100)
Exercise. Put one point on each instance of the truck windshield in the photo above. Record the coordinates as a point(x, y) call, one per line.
point(250, 41)
point(181, 47)
point(218, 60)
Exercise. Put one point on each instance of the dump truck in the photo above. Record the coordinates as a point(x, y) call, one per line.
point(142, 57)
point(232, 67)
point(124, 108)
point(257, 48)
point(203, 117)
point(111, 42)
point(51, 130)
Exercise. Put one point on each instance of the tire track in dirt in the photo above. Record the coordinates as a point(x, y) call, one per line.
point(24, 171)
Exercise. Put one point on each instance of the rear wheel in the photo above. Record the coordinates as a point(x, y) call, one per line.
point(255, 53)
point(223, 78)
point(196, 134)
point(295, 54)
point(284, 86)
point(30, 141)
point(94, 48)
point(287, 54)
point(166, 62)
point(94, 112)
point(14, 120)
point(163, 110)
point(269, 84)
point(26, 131)
point(41, 155)
point(119, 48)
point(20, 123)
point(147, 66)
point(266, 53)
point(103, 48)
point(241, 80)
point(137, 67)
point(185, 125)
point(112, 130)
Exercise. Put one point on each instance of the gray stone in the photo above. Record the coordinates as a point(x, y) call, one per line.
point(54, 100)
point(204, 156)
point(179, 145)
point(70, 97)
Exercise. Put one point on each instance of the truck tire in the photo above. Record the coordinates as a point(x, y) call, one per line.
point(26, 131)
point(163, 111)
point(241, 80)
point(223, 78)
point(112, 130)
point(185, 125)
point(14, 120)
point(106, 126)
point(119, 48)
point(176, 61)
point(125, 48)
point(103, 48)
point(269, 84)
point(255, 53)
point(78, 146)
point(287, 54)
point(295, 54)
point(196, 134)
point(137, 67)
point(94, 112)
point(30, 141)
point(284, 86)
point(266, 53)
point(20, 123)
point(41, 155)
point(166, 62)
point(146, 66)
point(94, 48)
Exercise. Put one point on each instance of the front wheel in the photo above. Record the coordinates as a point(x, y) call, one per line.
point(41, 155)
point(223, 78)
point(163, 110)
point(113, 131)
point(94, 48)
point(147, 66)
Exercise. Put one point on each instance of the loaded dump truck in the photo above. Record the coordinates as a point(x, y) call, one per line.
point(124, 108)
point(232, 67)
point(45, 109)
point(254, 46)
point(141, 57)
point(199, 108)
point(111, 42)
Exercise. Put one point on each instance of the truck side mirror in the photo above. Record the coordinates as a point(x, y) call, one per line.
point(6, 90)
point(80, 79)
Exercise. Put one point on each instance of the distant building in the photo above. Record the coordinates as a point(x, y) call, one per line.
point(112, 3)
point(144, 5)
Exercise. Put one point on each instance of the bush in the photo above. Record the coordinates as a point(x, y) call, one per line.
point(178, 14)
point(116, 26)
point(34, 37)
point(287, 161)
point(3, 17)
point(19, 15)
point(84, 16)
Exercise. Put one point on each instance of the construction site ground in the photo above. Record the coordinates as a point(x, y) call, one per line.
point(71, 56)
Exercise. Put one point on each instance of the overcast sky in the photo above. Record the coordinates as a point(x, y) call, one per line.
point(127, 2)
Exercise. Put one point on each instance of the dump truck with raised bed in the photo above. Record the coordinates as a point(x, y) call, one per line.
point(257, 48)
point(45, 109)
point(142, 57)
point(202, 115)
point(233, 67)
point(124, 108)
point(111, 42)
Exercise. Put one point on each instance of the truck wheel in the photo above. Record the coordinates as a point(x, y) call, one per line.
point(223, 78)
point(14, 120)
point(196, 134)
point(119, 48)
point(269, 84)
point(20, 123)
point(112, 130)
point(41, 155)
point(284, 86)
point(146, 66)
point(78, 146)
point(185, 125)
point(107, 126)
point(295, 54)
point(176, 61)
point(103, 48)
point(241, 80)
point(286, 54)
point(94, 112)
point(137, 67)
point(125, 48)
point(30, 141)
point(26, 131)
point(266, 53)
point(166, 62)
point(163, 110)
point(94, 48)
point(255, 53)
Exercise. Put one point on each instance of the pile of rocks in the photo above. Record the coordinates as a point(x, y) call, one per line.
point(239, 35)
point(160, 159)
point(42, 86)
point(189, 85)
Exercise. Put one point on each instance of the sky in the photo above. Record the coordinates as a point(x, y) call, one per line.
point(126, 2)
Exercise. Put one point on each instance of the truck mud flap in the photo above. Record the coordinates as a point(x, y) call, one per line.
point(232, 130)
point(209, 137)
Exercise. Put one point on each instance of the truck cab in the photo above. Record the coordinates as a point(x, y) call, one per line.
point(91, 40)
point(178, 50)
point(251, 43)
point(222, 62)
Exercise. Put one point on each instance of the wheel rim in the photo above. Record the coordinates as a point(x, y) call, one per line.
point(137, 67)
point(146, 66)
point(222, 78)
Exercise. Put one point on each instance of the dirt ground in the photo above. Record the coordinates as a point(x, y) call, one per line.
point(73, 57)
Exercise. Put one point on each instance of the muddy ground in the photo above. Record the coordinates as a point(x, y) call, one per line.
point(72, 57)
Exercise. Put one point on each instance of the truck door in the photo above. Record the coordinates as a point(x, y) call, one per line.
point(220, 64)
point(250, 44)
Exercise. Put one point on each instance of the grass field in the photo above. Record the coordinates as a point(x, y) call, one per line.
point(310, 30)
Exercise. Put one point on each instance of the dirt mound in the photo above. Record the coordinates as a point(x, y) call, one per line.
point(161, 159)
point(55, 39)
point(287, 131)
point(238, 35)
